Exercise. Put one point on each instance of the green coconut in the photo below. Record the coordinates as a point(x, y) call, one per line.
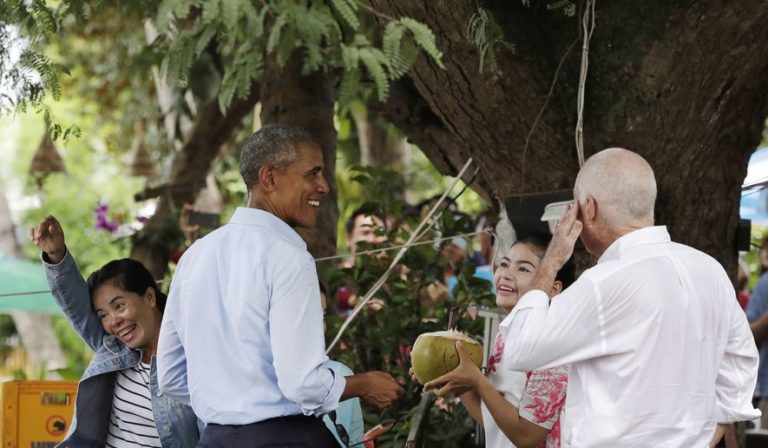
point(434, 354)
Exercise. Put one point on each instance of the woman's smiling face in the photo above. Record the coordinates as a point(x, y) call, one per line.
point(514, 274)
point(127, 315)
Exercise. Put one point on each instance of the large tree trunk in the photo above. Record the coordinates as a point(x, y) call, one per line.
point(154, 245)
point(290, 98)
point(681, 83)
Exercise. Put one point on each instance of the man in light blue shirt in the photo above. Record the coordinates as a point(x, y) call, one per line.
point(242, 334)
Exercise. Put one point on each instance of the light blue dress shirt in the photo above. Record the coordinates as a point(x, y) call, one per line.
point(242, 332)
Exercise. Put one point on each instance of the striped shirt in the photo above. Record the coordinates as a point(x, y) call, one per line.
point(132, 422)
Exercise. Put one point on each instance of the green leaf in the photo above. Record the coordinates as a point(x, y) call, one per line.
point(275, 34)
point(211, 12)
point(374, 60)
point(424, 38)
point(348, 11)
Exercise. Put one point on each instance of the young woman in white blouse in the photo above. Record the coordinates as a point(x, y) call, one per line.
point(516, 409)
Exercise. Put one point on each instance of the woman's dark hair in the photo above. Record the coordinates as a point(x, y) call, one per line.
point(128, 275)
point(539, 242)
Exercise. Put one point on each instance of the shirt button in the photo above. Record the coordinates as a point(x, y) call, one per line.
point(167, 428)
point(159, 393)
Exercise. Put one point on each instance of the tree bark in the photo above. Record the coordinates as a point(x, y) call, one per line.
point(681, 83)
point(188, 171)
point(307, 100)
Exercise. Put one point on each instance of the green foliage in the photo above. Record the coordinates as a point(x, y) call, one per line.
point(25, 27)
point(486, 34)
point(329, 35)
point(381, 340)
point(566, 7)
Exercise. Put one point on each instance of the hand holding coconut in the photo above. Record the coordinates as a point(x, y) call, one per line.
point(435, 354)
point(460, 380)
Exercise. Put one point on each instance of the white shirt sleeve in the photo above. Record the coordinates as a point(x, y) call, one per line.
point(297, 341)
point(540, 334)
point(737, 373)
point(171, 358)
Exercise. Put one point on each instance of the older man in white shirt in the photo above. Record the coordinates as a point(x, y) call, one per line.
point(242, 334)
point(660, 353)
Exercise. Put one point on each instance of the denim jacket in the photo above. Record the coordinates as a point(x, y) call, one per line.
point(176, 423)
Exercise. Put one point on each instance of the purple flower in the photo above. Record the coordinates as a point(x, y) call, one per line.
point(102, 221)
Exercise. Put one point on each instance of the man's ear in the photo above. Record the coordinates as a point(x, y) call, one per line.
point(557, 288)
point(267, 177)
point(588, 209)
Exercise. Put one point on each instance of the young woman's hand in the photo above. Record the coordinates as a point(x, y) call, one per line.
point(462, 379)
point(49, 237)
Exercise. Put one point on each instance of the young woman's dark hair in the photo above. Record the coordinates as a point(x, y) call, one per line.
point(128, 275)
point(539, 241)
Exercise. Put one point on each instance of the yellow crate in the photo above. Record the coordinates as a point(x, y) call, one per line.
point(37, 414)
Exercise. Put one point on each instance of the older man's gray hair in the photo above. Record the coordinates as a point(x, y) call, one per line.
point(273, 145)
point(622, 183)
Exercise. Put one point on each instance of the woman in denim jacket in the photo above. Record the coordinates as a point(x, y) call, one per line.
point(118, 314)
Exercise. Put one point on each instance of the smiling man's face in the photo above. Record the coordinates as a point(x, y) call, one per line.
point(300, 187)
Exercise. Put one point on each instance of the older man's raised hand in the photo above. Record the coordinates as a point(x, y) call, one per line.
point(564, 238)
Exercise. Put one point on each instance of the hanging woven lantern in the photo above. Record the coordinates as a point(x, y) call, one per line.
point(141, 165)
point(47, 159)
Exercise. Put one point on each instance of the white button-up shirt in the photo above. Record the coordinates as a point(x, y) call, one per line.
point(657, 346)
point(243, 327)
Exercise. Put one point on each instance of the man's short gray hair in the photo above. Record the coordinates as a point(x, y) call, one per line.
point(274, 145)
point(623, 184)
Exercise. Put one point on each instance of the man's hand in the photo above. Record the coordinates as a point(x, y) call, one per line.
point(564, 238)
point(558, 252)
point(49, 237)
point(463, 378)
point(720, 431)
point(381, 390)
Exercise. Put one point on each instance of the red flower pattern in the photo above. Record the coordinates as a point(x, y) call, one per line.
point(545, 398)
point(498, 352)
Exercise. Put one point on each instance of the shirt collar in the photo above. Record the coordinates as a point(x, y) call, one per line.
point(639, 237)
point(257, 217)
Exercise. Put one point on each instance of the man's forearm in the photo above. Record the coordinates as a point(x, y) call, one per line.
point(545, 276)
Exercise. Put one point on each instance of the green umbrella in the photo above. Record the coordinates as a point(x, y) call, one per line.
point(23, 287)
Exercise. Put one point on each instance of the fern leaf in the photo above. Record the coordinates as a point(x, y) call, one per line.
point(405, 60)
point(230, 10)
point(424, 37)
point(227, 90)
point(203, 39)
point(374, 60)
point(349, 89)
point(347, 10)
point(350, 58)
point(211, 12)
point(391, 45)
point(274, 35)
